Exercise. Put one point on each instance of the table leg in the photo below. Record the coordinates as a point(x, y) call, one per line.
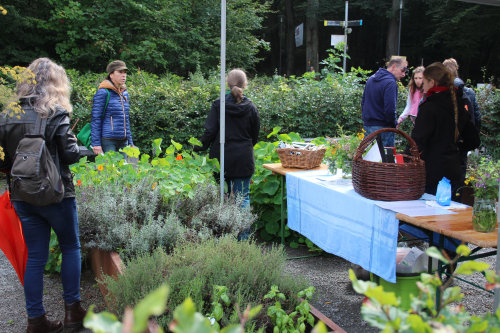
point(282, 226)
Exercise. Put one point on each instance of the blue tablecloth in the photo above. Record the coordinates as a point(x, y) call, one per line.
point(328, 211)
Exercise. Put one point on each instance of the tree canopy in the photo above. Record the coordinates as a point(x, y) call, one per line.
point(155, 35)
point(181, 36)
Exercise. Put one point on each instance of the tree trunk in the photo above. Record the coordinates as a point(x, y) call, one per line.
point(391, 45)
point(311, 32)
point(290, 38)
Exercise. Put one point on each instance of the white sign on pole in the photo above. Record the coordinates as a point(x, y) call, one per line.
point(336, 39)
point(299, 35)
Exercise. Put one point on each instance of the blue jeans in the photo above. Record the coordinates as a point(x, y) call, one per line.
point(112, 144)
point(388, 138)
point(36, 223)
point(241, 188)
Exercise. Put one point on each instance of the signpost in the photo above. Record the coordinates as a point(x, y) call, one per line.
point(354, 23)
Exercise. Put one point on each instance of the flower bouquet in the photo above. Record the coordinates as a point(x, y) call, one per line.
point(484, 178)
point(341, 152)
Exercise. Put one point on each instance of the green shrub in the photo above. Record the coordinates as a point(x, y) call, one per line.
point(130, 220)
point(435, 309)
point(193, 269)
point(203, 215)
point(489, 105)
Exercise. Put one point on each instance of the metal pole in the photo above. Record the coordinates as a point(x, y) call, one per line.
point(400, 19)
point(497, 267)
point(281, 50)
point(345, 35)
point(222, 122)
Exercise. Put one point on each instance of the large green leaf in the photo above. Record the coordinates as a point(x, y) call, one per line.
point(153, 304)
point(471, 267)
point(104, 322)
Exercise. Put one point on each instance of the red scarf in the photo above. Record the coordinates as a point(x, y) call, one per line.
point(434, 90)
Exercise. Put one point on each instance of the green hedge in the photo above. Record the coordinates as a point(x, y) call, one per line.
point(168, 106)
point(172, 107)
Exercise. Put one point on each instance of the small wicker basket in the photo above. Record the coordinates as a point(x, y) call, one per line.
point(300, 158)
point(388, 181)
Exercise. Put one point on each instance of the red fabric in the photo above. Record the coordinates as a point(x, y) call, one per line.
point(436, 90)
point(11, 236)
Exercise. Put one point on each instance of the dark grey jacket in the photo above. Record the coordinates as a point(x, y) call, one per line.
point(58, 137)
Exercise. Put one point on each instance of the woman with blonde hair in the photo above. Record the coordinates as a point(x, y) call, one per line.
point(47, 96)
point(242, 133)
point(415, 95)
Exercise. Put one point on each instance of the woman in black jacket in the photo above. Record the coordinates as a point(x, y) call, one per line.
point(242, 132)
point(441, 121)
point(47, 95)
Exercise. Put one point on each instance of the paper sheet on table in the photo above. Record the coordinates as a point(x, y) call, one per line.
point(453, 205)
point(413, 208)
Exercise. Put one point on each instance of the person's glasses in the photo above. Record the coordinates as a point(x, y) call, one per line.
point(404, 69)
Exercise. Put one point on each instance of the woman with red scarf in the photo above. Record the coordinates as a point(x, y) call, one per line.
point(441, 119)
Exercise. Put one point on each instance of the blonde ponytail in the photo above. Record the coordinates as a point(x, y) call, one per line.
point(237, 81)
point(237, 93)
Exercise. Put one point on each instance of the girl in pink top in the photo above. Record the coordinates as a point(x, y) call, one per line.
point(415, 94)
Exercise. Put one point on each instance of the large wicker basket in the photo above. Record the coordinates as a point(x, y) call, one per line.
point(300, 158)
point(388, 181)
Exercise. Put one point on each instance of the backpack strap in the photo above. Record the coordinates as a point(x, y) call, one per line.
point(106, 105)
point(39, 129)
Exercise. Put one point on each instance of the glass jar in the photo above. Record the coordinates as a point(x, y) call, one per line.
point(347, 169)
point(484, 215)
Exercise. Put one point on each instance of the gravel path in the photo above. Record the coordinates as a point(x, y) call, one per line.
point(13, 317)
point(328, 273)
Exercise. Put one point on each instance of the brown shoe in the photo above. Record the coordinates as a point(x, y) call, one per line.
point(43, 325)
point(73, 318)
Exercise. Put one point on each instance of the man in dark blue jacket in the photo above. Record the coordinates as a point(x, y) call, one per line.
point(378, 105)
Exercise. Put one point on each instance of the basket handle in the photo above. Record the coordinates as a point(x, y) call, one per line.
point(371, 137)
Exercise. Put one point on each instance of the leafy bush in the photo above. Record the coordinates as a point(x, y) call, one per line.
point(186, 319)
point(137, 207)
point(203, 214)
point(192, 270)
point(128, 219)
point(489, 105)
point(434, 309)
point(169, 106)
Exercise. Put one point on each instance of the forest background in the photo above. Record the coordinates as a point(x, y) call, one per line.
point(183, 36)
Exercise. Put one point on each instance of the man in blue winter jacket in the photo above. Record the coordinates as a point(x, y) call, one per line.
point(378, 105)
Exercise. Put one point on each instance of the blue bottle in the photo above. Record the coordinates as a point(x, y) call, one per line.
point(443, 192)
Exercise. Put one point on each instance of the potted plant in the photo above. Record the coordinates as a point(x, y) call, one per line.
point(484, 178)
point(342, 151)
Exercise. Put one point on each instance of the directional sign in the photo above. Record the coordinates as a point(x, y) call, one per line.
point(334, 23)
point(355, 23)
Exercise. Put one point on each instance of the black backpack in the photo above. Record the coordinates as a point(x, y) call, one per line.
point(35, 177)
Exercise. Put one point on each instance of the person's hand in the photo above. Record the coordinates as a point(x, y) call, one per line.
point(97, 150)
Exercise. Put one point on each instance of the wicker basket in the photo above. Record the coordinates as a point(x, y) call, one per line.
point(388, 181)
point(300, 158)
